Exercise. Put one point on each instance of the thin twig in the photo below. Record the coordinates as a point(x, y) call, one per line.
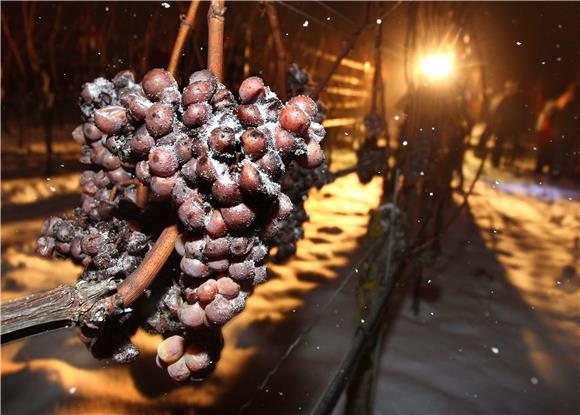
point(12, 43)
point(186, 24)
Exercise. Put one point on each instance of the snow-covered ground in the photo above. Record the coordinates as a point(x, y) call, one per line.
point(498, 328)
point(496, 333)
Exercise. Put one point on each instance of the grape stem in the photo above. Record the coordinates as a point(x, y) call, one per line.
point(131, 288)
point(83, 303)
point(49, 310)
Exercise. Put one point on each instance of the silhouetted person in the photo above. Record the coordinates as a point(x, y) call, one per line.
point(509, 121)
point(565, 131)
point(545, 137)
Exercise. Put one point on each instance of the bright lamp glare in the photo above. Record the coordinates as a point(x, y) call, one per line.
point(437, 66)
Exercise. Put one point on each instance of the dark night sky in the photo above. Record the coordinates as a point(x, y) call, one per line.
point(547, 33)
point(531, 41)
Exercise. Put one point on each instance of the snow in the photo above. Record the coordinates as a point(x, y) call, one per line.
point(505, 339)
point(496, 331)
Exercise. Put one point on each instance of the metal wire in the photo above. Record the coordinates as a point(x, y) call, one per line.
point(336, 12)
point(366, 332)
point(373, 248)
point(305, 14)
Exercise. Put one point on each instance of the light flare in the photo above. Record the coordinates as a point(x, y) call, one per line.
point(437, 65)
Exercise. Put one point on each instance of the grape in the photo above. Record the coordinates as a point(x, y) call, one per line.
point(92, 132)
point(111, 119)
point(198, 91)
point(191, 316)
point(293, 119)
point(227, 287)
point(250, 115)
point(207, 291)
point(162, 187)
point(171, 349)
point(252, 89)
point(226, 191)
point(216, 227)
point(306, 104)
point(159, 119)
point(162, 161)
point(179, 370)
point(254, 143)
point(197, 360)
point(142, 141)
point(191, 215)
point(238, 217)
point(156, 81)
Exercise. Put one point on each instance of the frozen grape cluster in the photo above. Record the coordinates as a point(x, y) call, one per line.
point(217, 165)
